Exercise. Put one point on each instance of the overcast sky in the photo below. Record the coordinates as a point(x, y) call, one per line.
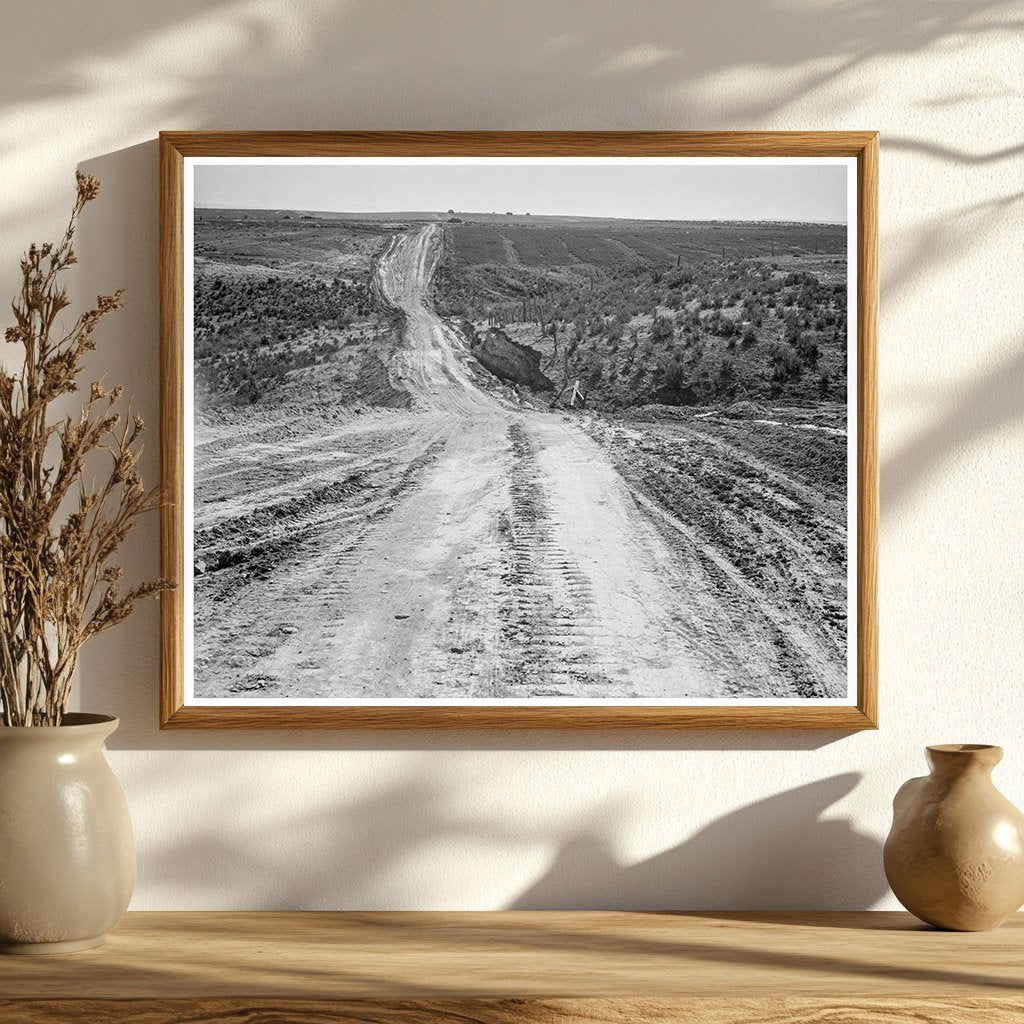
point(803, 192)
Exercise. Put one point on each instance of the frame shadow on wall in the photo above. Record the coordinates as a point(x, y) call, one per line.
point(119, 671)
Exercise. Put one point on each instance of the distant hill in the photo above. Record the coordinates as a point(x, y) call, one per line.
point(514, 219)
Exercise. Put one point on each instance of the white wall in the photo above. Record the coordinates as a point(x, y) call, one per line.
point(744, 820)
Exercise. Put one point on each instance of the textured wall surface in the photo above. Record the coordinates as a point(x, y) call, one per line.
point(755, 820)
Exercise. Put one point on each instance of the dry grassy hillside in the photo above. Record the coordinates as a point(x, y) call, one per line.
point(284, 305)
point(675, 314)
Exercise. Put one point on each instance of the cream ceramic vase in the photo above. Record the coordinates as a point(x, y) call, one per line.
point(955, 855)
point(67, 856)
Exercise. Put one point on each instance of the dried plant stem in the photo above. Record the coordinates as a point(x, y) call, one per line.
point(58, 588)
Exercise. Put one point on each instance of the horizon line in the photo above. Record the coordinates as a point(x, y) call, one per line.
point(494, 213)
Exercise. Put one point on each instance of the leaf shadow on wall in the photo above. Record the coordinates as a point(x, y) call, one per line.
point(321, 65)
point(981, 409)
point(940, 241)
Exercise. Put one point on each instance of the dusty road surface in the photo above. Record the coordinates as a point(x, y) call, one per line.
point(467, 547)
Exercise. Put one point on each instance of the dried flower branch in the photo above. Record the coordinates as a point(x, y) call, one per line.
point(57, 588)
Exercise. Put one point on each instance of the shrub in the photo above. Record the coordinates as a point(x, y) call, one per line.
point(661, 328)
point(784, 363)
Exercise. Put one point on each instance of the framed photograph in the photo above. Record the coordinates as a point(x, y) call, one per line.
point(519, 429)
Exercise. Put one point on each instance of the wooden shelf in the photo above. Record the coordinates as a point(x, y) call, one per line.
point(523, 967)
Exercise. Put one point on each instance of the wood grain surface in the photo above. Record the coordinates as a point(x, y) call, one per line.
point(496, 143)
point(524, 966)
point(526, 954)
point(176, 146)
point(172, 422)
point(516, 1011)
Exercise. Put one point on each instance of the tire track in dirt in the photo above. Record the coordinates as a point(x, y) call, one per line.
point(549, 613)
point(787, 642)
point(279, 587)
point(301, 491)
point(804, 495)
point(766, 570)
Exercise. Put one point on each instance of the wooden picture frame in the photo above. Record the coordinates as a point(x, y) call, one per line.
point(177, 147)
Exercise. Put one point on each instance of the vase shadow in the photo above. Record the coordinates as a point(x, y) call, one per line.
point(776, 854)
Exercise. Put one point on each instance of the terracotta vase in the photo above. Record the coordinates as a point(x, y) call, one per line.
point(955, 855)
point(67, 856)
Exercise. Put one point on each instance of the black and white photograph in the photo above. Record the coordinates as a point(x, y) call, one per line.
point(520, 430)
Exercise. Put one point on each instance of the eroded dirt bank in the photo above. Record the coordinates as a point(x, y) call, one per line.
point(468, 547)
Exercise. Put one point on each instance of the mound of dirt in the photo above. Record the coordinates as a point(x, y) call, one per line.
point(744, 410)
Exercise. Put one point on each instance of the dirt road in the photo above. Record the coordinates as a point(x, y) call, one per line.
point(467, 547)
